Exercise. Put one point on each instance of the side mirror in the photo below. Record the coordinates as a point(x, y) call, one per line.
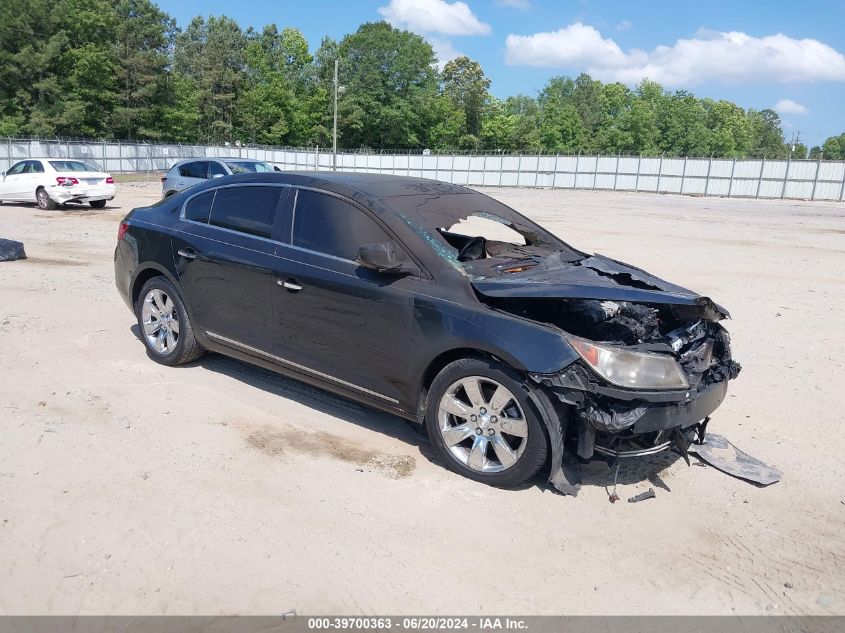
point(385, 257)
point(3, 174)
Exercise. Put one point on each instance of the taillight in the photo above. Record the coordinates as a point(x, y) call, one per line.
point(109, 180)
point(121, 230)
point(66, 180)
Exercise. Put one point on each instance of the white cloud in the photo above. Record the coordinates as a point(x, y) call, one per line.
point(788, 106)
point(624, 25)
point(444, 50)
point(729, 57)
point(434, 16)
point(513, 4)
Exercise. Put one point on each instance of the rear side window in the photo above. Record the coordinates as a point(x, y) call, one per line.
point(332, 226)
point(35, 167)
point(199, 207)
point(246, 209)
point(194, 170)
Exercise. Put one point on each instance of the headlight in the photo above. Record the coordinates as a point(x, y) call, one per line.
point(635, 370)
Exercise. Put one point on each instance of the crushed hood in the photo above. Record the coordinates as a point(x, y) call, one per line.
point(595, 277)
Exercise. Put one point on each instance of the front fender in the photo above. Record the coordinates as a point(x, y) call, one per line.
point(525, 345)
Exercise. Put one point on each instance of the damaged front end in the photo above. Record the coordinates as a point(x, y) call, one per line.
point(647, 375)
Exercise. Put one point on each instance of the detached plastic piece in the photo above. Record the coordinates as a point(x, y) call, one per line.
point(724, 456)
point(648, 494)
point(10, 250)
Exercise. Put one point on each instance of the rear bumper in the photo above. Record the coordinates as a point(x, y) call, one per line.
point(81, 193)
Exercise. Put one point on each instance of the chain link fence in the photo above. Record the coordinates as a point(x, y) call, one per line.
point(746, 178)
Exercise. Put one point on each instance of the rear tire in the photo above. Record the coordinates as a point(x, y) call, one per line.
point(165, 327)
point(44, 200)
point(98, 204)
point(487, 432)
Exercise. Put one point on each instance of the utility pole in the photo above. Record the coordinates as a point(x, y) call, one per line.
point(334, 130)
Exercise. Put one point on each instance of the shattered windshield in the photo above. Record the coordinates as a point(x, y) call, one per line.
point(480, 236)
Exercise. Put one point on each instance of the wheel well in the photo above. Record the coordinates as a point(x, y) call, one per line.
point(436, 366)
point(143, 277)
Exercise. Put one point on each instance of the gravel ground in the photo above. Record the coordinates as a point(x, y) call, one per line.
point(217, 488)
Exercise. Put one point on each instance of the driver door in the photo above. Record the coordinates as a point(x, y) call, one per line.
point(14, 182)
point(332, 317)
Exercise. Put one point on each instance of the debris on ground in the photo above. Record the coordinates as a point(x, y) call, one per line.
point(722, 455)
point(10, 250)
point(648, 494)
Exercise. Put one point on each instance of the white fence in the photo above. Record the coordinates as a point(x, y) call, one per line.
point(748, 178)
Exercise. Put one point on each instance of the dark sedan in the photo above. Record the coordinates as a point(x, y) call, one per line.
point(434, 302)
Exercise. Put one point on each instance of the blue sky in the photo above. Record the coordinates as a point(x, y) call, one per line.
point(779, 54)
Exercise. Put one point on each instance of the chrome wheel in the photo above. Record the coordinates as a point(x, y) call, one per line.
point(482, 424)
point(160, 321)
point(43, 199)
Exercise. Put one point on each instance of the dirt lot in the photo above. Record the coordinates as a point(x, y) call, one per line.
point(131, 488)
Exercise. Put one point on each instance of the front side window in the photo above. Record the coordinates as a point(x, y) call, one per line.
point(332, 226)
point(17, 168)
point(198, 208)
point(246, 209)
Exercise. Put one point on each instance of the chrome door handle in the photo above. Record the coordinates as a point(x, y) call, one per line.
point(187, 253)
point(289, 284)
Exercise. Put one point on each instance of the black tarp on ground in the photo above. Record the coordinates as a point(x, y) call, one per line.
point(10, 250)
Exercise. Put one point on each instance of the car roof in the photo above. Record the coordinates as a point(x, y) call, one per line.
point(373, 185)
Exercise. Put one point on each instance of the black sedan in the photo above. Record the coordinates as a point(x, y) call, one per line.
point(434, 302)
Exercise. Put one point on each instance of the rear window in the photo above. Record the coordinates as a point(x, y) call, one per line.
point(246, 209)
point(199, 207)
point(71, 165)
point(238, 167)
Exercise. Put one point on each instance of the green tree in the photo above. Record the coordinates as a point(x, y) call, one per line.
point(390, 79)
point(466, 86)
point(681, 123)
point(766, 135)
point(143, 35)
point(834, 148)
point(211, 53)
point(730, 131)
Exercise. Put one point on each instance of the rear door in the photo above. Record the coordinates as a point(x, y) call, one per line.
point(334, 318)
point(224, 253)
point(191, 174)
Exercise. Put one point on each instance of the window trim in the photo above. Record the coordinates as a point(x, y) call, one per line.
point(223, 228)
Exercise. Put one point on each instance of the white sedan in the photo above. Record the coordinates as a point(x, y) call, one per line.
point(52, 181)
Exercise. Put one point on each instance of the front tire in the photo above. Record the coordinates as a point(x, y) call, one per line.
point(97, 204)
point(44, 200)
point(164, 324)
point(480, 421)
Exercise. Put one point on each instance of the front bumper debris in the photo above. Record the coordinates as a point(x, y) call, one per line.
point(614, 422)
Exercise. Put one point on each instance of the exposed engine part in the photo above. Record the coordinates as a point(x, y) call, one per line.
point(685, 335)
